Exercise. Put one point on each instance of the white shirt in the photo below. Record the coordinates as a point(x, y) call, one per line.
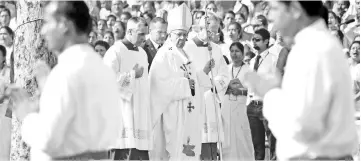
point(266, 69)
point(79, 107)
point(156, 46)
point(312, 114)
point(275, 49)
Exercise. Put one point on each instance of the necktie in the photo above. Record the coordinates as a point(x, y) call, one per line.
point(256, 63)
point(159, 46)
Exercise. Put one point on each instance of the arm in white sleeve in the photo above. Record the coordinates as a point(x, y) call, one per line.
point(47, 129)
point(165, 83)
point(221, 80)
point(125, 80)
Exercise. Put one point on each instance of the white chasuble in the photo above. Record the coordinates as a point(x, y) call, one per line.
point(135, 131)
point(199, 55)
point(176, 114)
point(237, 143)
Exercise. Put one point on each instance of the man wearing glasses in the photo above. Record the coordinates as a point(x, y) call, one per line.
point(264, 63)
point(175, 94)
point(205, 61)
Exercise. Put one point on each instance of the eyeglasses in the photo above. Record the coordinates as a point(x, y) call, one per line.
point(256, 40)
point(179, 34)
point(210, 33)
point(246, 60)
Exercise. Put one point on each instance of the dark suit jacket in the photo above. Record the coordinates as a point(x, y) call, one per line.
point(150, 50)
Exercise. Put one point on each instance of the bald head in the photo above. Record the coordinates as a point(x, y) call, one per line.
point(135, 22)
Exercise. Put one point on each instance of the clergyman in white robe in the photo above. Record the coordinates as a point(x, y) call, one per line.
point(135, 131)
point(176, 114)
point(212, 131)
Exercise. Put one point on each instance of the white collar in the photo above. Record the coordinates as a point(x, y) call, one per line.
point(154, 44)
point(264, 54)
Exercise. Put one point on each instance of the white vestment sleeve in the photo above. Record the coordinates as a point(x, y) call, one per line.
point(312, 93)
point(125, 80)
point(221, 80)
point(46, 130)
point(204, 80)
point(167, 84)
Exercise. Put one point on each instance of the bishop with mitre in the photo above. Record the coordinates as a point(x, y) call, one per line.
point(176, 99)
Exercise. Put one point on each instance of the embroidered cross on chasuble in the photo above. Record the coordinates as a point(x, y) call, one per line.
point(188, 149)
point(190, 107)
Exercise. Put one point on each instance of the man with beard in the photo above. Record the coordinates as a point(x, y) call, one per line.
point(158, 34)
point(176, 99)
point(128, 61)
point(78, 114)
point(316, 93)
point(264, 63)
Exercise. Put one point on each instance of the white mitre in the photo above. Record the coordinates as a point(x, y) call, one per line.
point(179, 18)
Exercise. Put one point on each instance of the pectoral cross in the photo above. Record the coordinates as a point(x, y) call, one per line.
point(190, 107)
point(188, 149)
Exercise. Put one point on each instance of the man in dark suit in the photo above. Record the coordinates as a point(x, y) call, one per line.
point(158, 34)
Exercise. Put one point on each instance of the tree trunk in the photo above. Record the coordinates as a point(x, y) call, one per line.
point(29, 47)
point(94, 8)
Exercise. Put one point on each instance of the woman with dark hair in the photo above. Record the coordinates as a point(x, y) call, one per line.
point(237, 143)
point(6, 39)
point(102, 27)
point(5, 116)
point(355, 70)
point(109, 37)
point(211, 7)
point(101, 47)
point(93, 37)
point(235, 34)
point(147, 16)
point(333, 19)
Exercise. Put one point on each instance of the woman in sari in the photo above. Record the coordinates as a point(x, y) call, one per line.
point(238, 140)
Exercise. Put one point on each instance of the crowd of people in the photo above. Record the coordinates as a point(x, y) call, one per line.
point(182, 72)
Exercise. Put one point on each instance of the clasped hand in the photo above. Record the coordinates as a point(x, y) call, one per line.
point(138, 71)
point(235, 87)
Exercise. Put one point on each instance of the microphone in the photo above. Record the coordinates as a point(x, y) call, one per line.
point(348, 21)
